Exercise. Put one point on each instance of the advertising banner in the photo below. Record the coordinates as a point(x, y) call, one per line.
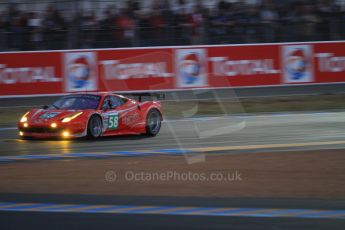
point(329, 62)
point(136, 69)
point(233, 66)
point(171, 68)
point(30, 73)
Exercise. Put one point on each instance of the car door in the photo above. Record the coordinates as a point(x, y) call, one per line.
point(111, 116)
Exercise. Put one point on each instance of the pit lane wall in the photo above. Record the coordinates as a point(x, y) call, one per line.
point(171, 68)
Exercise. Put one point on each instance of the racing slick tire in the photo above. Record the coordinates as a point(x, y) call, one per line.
point(153, 122)
point(94, 127)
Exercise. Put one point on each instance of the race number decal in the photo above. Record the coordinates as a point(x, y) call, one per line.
point(113, 121)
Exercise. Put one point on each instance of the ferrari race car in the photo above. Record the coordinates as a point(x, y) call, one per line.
point(93, 115)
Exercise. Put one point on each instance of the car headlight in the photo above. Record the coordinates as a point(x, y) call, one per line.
point(71, 117)
point(24, 118)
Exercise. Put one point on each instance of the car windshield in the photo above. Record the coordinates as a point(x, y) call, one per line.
point(77, 102)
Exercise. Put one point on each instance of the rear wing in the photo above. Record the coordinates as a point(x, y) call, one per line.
point(158, 96)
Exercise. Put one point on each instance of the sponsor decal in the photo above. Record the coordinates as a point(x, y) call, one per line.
point(191, 68)
point(80, 71)
point(115, 70)
point(297, 62)
point(328, 62)
point(222, 66)
point(131, 119)
point(49, 115)
point(27, 74)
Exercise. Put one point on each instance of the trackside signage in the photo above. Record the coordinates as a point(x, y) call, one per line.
point(233, 66)
point(135, 69)
point(147, 69)
point(30, 73)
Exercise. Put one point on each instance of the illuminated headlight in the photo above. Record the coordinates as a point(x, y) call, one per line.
point(26, 125)
point(24, 118)
point(69, 118)
point(53, 125)
point(21, 133)
point(65, 134)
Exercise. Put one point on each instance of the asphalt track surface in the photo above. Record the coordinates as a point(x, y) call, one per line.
point(262, 132)
point(43, 220)
point(227, 134)
point(233, 134)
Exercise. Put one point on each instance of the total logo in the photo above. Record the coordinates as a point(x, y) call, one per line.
point(297, 64)
point(191, 65)
point(80, 72)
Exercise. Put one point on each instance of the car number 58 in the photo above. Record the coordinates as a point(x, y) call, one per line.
point(113, 121)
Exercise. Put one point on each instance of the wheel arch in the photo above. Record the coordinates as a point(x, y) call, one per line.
point(153, 107)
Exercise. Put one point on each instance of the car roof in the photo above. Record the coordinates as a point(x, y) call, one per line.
point(101, 94)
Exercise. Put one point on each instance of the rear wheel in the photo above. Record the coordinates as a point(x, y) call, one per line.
point(94, 127)
point(153, 122)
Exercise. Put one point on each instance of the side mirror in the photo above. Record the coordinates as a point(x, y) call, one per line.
point(45, 107)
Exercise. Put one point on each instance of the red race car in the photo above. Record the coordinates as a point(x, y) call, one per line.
point(93, 115)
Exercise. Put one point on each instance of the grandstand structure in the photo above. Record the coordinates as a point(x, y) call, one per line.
point(75, 24)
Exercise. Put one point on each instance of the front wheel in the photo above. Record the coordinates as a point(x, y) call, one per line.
point(94, 127)
point(153, 122)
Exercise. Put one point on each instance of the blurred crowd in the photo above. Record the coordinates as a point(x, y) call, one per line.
point(184, 23)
